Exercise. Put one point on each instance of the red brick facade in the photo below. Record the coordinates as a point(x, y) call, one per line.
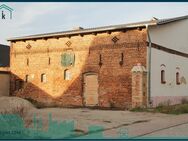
point(111, 61)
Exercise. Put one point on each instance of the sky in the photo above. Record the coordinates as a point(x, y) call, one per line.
point(35, 18)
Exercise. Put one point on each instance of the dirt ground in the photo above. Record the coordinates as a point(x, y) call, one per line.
point(134, 124)
point(114, 123)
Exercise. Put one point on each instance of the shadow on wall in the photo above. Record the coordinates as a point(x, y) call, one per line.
point(110, 56)
point(31, 92)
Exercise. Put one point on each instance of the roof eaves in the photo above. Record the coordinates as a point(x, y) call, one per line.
point(85, 31)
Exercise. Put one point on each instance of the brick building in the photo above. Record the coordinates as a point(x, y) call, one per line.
point(103, 67)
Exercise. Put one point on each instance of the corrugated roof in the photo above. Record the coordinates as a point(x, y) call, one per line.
point(101, 29)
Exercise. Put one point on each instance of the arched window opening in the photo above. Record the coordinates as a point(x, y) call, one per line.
point(163, 81)
point(177, 78)
point(67, 75)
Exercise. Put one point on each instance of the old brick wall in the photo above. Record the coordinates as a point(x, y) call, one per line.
point(114, 79)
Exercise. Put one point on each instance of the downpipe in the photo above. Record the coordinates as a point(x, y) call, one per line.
point(148, 69)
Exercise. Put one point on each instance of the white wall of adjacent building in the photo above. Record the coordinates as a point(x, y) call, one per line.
point(174, 36)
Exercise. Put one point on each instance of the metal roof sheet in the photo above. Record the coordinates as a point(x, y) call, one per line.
point(165, 21)
point(101, 29)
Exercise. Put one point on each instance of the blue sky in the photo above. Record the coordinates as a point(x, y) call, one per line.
point(34, 18)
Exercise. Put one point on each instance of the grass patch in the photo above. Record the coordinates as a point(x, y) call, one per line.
point(167, 109)
point(173, 109)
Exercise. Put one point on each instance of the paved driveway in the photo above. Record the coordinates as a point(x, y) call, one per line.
point(116, 123)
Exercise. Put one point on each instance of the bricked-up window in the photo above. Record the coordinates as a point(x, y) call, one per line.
point(163, 81)
point(177, 78)
point(19, 84)
point(26, 78)
point(43, 78)
point(27, 62)
point(67, 75)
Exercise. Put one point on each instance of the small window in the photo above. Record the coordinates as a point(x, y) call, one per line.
point(67, 75)
point(177, 78)
point(19, 84)
point(43, 78)
point(163, 81)
point(26, 78)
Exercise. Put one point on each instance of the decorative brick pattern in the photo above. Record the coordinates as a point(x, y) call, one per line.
point(28, 46)
point(115, 39)
point(68, 43)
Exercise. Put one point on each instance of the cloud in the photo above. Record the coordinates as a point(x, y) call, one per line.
point(28, 13)
point(24, 15)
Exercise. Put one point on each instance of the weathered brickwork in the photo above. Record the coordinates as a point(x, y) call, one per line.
point(43, 56)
